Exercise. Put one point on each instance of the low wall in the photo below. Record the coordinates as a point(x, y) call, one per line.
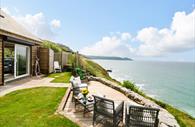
point(166, 119)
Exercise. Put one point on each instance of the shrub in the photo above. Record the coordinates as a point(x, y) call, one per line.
point(130, 85)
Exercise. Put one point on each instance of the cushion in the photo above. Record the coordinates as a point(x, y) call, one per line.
point(71, 78)
point(83, 85)
point(78, 80)
point(74, 83)
point(80, 96)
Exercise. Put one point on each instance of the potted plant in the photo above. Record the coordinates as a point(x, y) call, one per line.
point(85, 92)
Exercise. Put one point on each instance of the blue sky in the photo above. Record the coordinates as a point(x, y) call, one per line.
point(86, 25)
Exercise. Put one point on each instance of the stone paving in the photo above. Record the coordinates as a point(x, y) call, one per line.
point(30, 83)
point(95, 88)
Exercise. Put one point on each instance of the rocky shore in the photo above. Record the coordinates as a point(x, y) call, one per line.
point(165, 118)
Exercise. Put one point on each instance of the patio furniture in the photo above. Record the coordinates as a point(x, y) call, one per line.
point(77, 86)
point(137, 116)
point(57, 67)
point(76, 83)
point(107, 109)
point(86, 104)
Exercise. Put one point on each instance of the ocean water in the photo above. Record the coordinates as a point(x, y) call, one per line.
point(170, 82)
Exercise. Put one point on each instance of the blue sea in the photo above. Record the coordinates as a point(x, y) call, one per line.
point(170, 82)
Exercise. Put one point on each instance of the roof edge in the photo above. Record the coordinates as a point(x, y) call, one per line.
point(7, 33)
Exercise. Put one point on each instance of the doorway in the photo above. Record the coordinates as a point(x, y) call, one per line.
point(9, 53)
point(16, 61)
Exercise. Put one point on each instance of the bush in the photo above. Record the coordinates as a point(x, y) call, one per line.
point(130, 85)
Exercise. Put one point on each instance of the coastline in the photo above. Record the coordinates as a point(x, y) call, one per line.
point(97, 70)
point(154, 81)
point(140, 86)
point(183, 118)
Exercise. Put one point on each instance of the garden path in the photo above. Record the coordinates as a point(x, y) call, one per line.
point(30, 83)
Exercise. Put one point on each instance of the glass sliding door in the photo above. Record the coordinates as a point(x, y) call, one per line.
point(22, 55)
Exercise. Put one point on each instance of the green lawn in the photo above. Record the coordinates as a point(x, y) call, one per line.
point(63, 77)
point(33, 108)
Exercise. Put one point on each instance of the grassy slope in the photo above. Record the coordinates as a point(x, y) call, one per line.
point(33, 108)
point(55, 47)
point(94, 68)
point(63, 77)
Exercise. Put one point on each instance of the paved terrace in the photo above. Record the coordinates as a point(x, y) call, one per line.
point(95, 88)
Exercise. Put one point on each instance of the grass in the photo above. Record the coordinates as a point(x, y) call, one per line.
point(94, 68)
point(182, 118)
point(33, 108)
point(63, 77)
point(56, 47)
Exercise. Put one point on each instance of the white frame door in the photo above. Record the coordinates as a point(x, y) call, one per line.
point(15, 61)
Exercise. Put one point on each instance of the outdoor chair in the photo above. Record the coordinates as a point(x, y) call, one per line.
point(57, 67)
point(77, 85)
point(137, 116)
point(106, 109)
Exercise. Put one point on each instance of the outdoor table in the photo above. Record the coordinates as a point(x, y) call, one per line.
point(88, 106)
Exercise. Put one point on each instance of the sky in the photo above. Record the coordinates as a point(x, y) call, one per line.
point(162, 30)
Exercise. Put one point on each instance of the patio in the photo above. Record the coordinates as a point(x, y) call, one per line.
point(95, 88)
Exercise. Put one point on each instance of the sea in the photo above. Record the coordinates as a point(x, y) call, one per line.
point(170, 82)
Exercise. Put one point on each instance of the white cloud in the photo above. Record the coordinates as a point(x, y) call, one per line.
point(178, 37)
point(55, 23)
point(126, 36)
point(110, 46)
point(6, 10)
point(36, 24)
